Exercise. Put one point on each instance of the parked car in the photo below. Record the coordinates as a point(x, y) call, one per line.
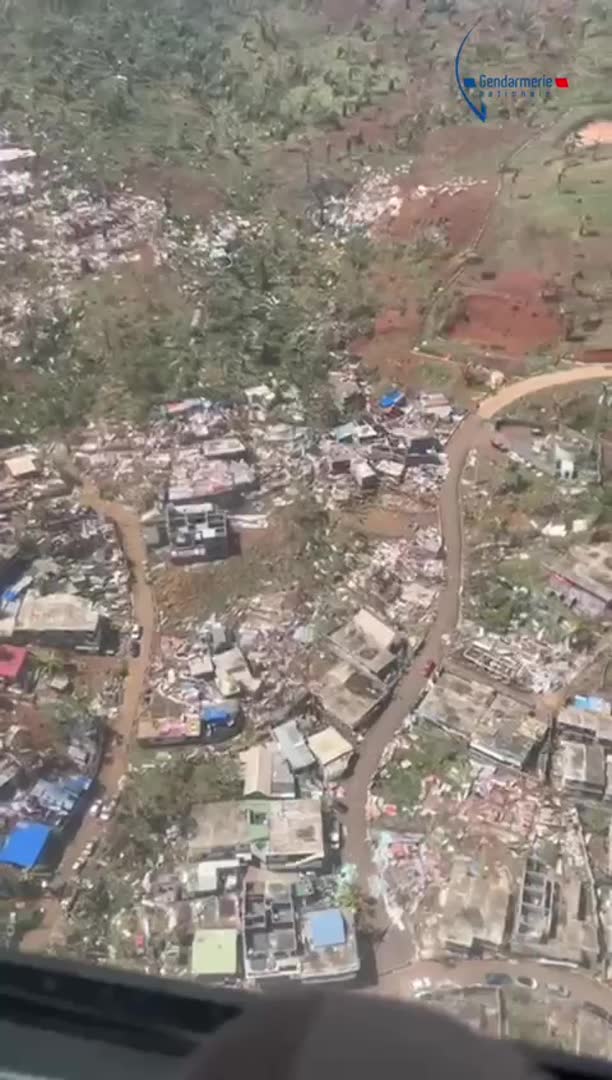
point(335, 835)
point(527, 981)
point(558, 991)
point(498, 979)
point(429, 668)
point(95, 808)
point(597, 1010)
point(134, 647)
point(136, 632)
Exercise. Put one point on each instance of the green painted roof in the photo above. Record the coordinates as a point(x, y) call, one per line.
point(214, 952)
point(259, 825)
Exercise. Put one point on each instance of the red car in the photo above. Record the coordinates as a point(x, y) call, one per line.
point(429, 668)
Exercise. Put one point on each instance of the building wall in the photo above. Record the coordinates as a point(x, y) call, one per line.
point(579, 599)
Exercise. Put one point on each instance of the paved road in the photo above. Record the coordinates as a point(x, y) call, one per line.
point(131, 539)
point(472, 972)
point(393, 952)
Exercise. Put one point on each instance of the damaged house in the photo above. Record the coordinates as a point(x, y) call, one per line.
point(477, 904)
point(283, 834)
point(368, 643)
point(288, 934)
point(583, 580)
point(58, 620)
point(496, 727)
point(198, 532)
point(556, 912)
point(197, 478)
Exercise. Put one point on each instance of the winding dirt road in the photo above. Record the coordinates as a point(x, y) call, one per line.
point(392, 953)
point(131, 539)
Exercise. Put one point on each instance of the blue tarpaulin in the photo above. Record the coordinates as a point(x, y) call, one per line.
point(326, 928)
point(25, 846)
point(591, 704)
point(77, 784)
point(392, 400)
point(217, 715)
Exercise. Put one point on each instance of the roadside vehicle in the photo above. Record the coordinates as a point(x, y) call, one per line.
point(498, 979)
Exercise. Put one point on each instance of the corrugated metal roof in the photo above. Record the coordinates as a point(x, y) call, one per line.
point(293, 746)
point(25, 845)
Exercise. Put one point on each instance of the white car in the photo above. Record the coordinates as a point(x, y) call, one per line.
point(95, 808)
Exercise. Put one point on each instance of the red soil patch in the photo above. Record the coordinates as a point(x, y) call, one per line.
point(461, 215)
point(395, 333)
point(510, 316)
point(468, 141)
point(597, 356)
point(394, 322)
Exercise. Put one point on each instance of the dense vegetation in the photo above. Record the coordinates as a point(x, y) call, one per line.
point(154, 99)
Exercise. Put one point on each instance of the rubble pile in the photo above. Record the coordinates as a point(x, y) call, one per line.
point(404, 579)
point(450, 187)
point(523, 659)
point(376, 198)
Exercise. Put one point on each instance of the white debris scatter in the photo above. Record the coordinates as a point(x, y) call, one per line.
point(13, 153)
point(376, 198)
point(450, 187)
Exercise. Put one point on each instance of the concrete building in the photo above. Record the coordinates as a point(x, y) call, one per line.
point(293, 746)
point(583, 770)
point(585, 725)
point(228, 448)
point(229, 829)
point(209, 877)
point(347, 696)
point(22, 467)
point(367, 642)
point(232, 673)
point(583, 580)
point(503, 668)
point(556, 912)
point(284, 834)
point(288, 935)
point(564, 458)
point(363, 475)
point(295, 839)
point(338, 459)
point(333, 753)
point(478, 901)
point(269, 931)
point(197, 532)
point(496, 727)
point(214, 955)
point(59, 620)
point(197, 479)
